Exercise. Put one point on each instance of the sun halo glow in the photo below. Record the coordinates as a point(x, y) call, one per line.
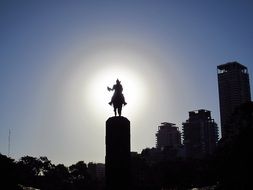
point(133, 90)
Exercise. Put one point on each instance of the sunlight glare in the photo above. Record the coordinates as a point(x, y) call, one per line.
point(133, 90)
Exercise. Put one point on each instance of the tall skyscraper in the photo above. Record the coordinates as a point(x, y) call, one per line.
point(234, 89)
point(200, 134)
point(168, 135)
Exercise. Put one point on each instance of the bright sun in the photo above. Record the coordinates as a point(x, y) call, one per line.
point(133, 89)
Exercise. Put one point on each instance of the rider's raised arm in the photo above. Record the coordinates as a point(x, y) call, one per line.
point(109, 89)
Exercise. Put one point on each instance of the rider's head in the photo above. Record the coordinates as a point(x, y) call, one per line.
point(117, 81)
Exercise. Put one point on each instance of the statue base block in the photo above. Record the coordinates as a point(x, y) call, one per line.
point(117, 161)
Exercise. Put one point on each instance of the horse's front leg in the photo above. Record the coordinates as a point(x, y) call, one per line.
point(115, 113)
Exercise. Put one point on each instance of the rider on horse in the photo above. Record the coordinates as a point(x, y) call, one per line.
point(117, 92)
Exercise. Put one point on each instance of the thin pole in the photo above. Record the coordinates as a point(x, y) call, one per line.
point(9, 143)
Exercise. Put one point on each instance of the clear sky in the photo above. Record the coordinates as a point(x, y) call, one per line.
point(58, 57)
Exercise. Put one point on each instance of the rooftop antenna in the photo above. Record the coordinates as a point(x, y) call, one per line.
point(9, 143)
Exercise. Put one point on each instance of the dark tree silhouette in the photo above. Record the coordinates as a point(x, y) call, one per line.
point(80, 176)
point(9, 174)
point(234, 154)
point(29, 170)
point(58, 178)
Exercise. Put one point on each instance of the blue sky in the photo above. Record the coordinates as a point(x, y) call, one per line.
point(52, 51)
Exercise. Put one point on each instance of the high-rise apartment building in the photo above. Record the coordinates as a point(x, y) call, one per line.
point(234, 89)
point(168, 135)
point(200, 134)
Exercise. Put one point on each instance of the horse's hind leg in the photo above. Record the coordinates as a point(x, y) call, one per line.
point(119, 110)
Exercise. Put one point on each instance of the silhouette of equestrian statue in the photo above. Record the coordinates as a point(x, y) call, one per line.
point(118, 98)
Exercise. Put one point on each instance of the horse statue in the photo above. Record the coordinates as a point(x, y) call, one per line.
point(118, 99)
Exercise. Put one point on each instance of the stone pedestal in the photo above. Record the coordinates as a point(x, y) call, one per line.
point(117, 160)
